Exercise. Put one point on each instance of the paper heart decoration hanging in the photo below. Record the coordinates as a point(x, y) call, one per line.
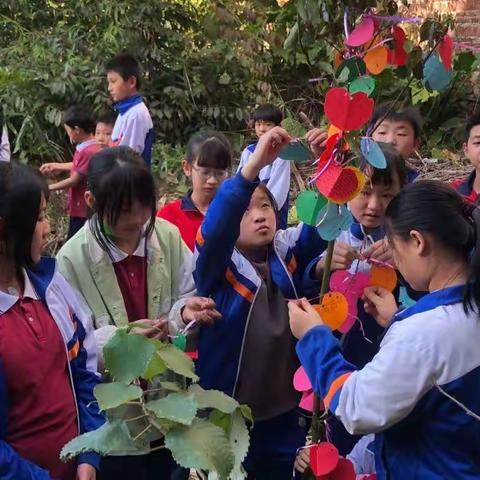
point(352, 286)
point(337, 183)
point(362, 33)
point(308, 205)
point(326, 464)
point(333, 310)
point(398, 56)
point(376, 59)
point(333, 219)
point(296, 151)
point(350, 69)
point(445, 49)
point(301, 383)
point(373, 153)
point(435, 75)
point(362, 84)
point(348, 112)
point(383, 276)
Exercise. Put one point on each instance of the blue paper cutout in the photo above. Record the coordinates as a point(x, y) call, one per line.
point(373, 153)
point(435, 75)
point(296, 151)
point(334, 218)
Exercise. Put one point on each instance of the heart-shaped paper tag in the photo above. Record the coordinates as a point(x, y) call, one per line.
point(333, 219)
point(398, 56)
point(338, 184)
point(343, 471)
point(373, 153)
point(362, 33)
point(308, 205)
point(323, 458)
point(362, 84)
point(301, 383)
point(376, 59)
point(180, 341)
point(435, 75)
point(333, 310)
point(296, 151)
point(445, 49)
point(382, 276)
point(347, 112)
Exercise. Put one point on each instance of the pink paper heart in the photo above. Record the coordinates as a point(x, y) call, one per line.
point(301, 383)
point(343, 281)
point(306, 402)
point(362, 33)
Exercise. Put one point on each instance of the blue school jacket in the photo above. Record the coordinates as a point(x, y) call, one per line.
point(72, 317)
point(223, 273)
point(420, 432)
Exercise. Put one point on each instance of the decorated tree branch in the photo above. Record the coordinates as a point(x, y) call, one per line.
point(367, 39)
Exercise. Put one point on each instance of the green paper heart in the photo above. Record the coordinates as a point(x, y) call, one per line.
point(362, 84)
point(308, 205)
point(296, 151)
point(180, 341)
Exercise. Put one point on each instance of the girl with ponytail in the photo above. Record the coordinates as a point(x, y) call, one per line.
point(420, 394)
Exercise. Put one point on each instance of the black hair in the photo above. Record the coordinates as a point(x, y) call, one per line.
point(109, 118)
point(268, 113)
point(210, 149)
point(21, 192)
point(472, 121)
point(437, 209)
point(126, 65)
point(80, 116)
point(410, 115)
point(395, 168)
point(116, 178)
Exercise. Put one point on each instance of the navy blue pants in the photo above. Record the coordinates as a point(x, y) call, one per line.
point(274, 444)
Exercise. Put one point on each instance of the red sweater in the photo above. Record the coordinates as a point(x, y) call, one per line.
point(464, 186)
point(185, 215)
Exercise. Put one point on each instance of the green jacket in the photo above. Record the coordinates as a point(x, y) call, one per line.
point(88, 268)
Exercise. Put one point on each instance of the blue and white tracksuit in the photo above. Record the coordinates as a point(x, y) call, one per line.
point(420, 432)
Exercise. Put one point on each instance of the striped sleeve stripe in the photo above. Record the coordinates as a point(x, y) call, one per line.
point(336, 385)
point(199, 238)
point(239, 287)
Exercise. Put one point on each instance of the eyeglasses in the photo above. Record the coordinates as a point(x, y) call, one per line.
point(206, 173)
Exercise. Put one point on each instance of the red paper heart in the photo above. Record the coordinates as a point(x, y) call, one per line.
point(398, 56)
point(324, 459)
point(348, 112)
point(445, 50)
point(343, 471)
point(338, 184)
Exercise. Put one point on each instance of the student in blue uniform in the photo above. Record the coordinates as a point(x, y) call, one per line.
point(133, 127)
point(414, 393)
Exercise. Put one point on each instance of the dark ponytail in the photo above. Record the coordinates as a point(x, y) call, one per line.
point(435, 208)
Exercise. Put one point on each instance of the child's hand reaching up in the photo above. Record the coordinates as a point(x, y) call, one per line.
point(200, 309)
point(380, 303)
point(267, 150)
point(303, 317)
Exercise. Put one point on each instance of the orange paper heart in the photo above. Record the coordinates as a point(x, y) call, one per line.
point(333, 310)
point(376, 59)
point(385, 277)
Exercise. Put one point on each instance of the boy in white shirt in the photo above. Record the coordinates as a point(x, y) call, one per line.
point(134, 126)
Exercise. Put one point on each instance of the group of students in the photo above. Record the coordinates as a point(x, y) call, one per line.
point(407, 372)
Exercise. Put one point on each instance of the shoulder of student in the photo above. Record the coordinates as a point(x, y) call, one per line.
point(446, 335)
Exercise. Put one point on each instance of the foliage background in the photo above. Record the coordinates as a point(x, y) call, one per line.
point(206, 63)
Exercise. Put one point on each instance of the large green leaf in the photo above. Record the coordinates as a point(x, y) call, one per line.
point(202, 446)
point(110, 438)
point(177, 407)
point(213, 399)
point(127, 356)
point(111, 395)
point(156, 367)
point(239, 439)
point(177, 361)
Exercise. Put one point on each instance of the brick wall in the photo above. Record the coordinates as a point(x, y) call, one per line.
point(467, 14)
